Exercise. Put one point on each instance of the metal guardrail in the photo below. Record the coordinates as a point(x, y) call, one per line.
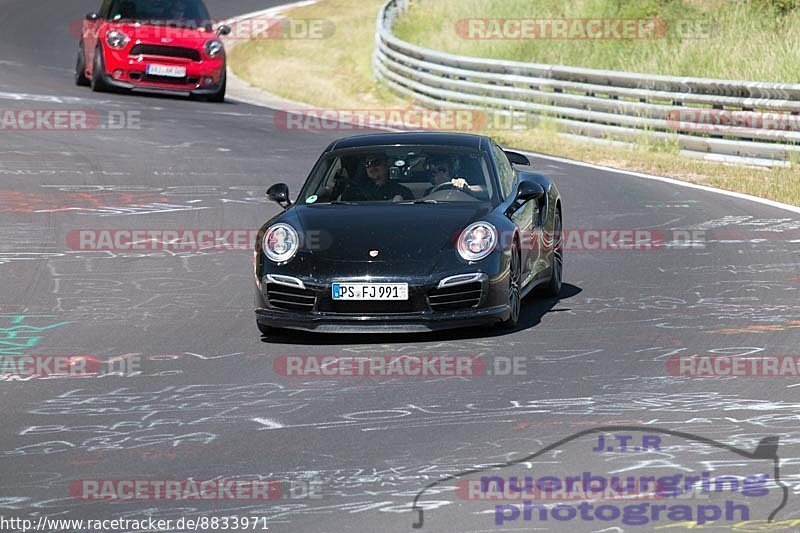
point(601, 105)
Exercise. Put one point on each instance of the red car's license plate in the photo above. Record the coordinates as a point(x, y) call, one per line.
point(166, 70)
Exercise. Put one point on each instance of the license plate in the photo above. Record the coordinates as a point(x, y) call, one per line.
point(370, 291)
point(166, 70)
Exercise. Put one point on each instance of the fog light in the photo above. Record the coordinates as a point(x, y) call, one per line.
point(208, 81)
point(117, 73)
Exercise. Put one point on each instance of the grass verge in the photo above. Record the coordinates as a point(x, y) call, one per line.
point(336, 73)
point(746, 39)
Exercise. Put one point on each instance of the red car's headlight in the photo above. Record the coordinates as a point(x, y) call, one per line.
point(214, 48)
point(116, 39)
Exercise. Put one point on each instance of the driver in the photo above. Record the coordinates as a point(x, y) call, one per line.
point(442, 175)
point(177, 10)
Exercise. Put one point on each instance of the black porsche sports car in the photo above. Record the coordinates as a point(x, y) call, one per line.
point(408, 232)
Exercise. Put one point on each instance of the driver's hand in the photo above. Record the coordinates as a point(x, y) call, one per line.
point(458, 183)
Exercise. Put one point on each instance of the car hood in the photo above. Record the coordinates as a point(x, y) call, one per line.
point(401, 234)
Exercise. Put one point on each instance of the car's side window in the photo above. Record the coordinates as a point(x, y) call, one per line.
point(505, 171)
point(335, 169)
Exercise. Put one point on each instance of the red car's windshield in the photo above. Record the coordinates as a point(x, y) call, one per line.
point(158, 11)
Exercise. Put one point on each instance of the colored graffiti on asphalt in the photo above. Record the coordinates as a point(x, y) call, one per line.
point(20, 333)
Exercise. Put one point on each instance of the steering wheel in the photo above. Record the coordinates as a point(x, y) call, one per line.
point(447, 186)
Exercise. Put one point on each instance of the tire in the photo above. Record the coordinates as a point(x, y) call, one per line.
point(219, 96)
point(514, 290)
point(553, 287)
point(80, 69)
point(98, 68)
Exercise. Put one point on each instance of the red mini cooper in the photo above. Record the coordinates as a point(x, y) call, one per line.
point(153, 45)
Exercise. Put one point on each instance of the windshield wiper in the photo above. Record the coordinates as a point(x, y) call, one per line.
point(340, 202)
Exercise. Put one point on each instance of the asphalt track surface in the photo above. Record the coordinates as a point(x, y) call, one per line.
point(206, 401)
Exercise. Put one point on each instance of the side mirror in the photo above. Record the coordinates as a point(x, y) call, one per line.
point(517, 159)
point(279, 193)
point(223, 30)
point(526, 191)
point(92, 17)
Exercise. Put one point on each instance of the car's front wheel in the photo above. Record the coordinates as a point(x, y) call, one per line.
point(514, 290)
point(553, 287)
point(80, 69)
point(219, 96)
point(98, 69)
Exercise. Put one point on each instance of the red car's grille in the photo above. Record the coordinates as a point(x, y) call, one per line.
point(165, 51)
point(138, 76)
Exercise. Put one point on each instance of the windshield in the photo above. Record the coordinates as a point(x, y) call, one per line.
point(158, 11)
point(420, 174)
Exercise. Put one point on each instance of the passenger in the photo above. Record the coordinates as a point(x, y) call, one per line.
point(379, 187)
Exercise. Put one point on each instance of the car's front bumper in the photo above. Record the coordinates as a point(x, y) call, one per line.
point(160, 88)
point(386, 323)
point(129, 73)
point(431, 305)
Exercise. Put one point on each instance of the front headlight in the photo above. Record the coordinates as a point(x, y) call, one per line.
point(477, 241)
point(280, 243)
point(116, 39)
point(214, 48)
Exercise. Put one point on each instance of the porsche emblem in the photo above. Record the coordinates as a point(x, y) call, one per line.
point(373, 253)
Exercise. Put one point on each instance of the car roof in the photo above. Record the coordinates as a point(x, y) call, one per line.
point(409, 138)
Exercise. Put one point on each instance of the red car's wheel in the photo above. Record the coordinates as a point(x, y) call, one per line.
point(98, 69)
point(219, 96)
point(80, 69)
